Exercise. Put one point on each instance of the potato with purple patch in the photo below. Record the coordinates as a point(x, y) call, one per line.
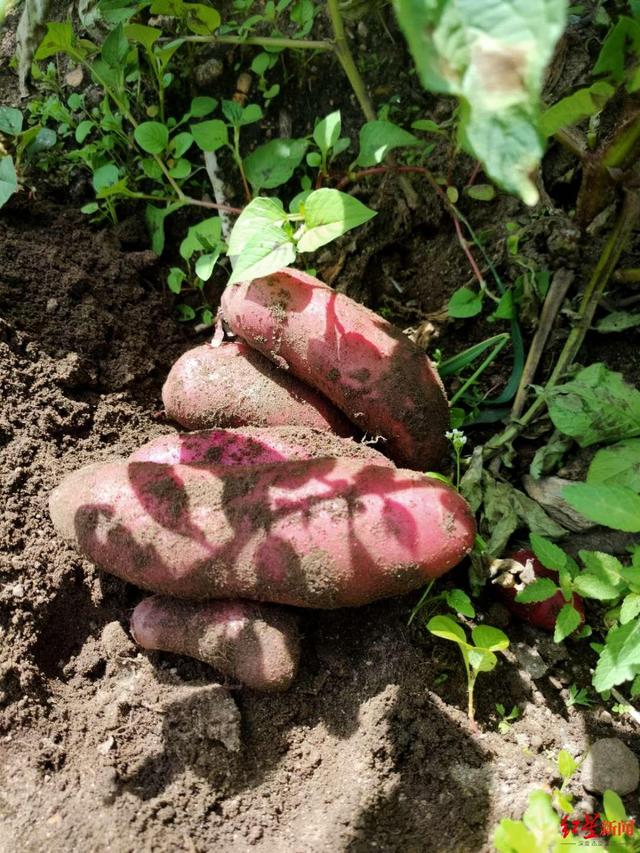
point(368, 368)
point(319, 533)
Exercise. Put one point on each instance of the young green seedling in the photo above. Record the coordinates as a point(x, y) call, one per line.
point(478, 656)
point(504, 719)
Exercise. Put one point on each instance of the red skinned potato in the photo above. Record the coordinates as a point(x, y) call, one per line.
point(542, 614)
point(363, 364)
point(320, 533)
point(252, 446)
point(253, 643)
point(232, 385)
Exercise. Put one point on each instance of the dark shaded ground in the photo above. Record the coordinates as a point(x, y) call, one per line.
point(102, 748)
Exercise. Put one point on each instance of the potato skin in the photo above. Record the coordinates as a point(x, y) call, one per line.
point(320, 533)
point(253, 643)
point(363, 364)
point(233, 385)
point(252, 446)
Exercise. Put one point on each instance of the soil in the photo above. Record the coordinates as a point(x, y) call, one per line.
point(107, 748)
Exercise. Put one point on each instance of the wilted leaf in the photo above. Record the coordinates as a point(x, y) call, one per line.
point(493, 57)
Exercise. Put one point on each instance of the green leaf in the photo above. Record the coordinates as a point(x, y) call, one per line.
point(175, 278)
point(612, 506)
point(250, 114)
point(314, 159)
point(377, 138)
point(619, 661)
point(618, 321)
point(493, 57)
point(152, 136)
point(273, 163)
point(115, 47)
point(146, 36)
point(327, 132)
point(613, 806)
point(92, 207)
point(459, 601)
point(611, 60)
point(481, 192)
point(464, 303)
point(180, 144)
point(185, 313)
point(202, 106)
point(105, 176)
point(266, 251)
point(606, 567)
point(83, 130)
point(10, 121)
point(155, 217)
point(487, 637)
point(566, 623)
point(151, 168)
point(260, 212)
point(57, 39)
point(206, 264)
point(427, 125)
point(566, 764)
point(582, 104)
point(180, 170)
point(630, 608)
point(512, 836)
point(200, 19)
point(201, 236)
point(481, 660)
point(550, 555)
point(329, 214)
point(232, 111)
point(447, 629)
point(617, 465)
point(210, 135)
point(596, 406)
point(591, 586)
point(8, 180)
point(538, 590)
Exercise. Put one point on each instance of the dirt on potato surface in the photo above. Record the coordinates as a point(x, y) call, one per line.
point(103, 747)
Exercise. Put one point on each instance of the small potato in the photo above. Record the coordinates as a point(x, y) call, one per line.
point(371, 371)
point(253, 643)
point(233, 386)
point(317, 533)
point(252, 446)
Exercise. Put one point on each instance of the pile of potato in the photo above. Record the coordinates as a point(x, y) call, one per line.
point(273, 500)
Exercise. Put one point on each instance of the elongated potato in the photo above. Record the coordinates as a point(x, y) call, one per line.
point(233, 385)
point(254, 643)
point(318, 533)
point(252, 446)
point(363, 364)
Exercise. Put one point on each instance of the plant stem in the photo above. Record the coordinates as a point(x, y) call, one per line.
point(560, 285)
point(630, 276)
point(343, 52)
point(238, 158)
point(627, 219)
point(259, 41)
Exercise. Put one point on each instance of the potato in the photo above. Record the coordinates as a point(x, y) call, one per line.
point(233, 385)
point(253, 643)
point(252, 446)
point(318, 533)
point(363, 364)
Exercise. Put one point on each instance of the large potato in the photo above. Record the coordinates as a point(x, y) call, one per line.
point(363, 364)
point(318, 533)
point(233, 385)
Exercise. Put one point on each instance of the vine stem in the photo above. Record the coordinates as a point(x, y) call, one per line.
point(258, 41)
point(604, 269)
